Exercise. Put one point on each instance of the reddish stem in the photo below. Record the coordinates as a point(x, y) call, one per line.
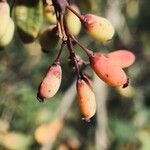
point(76, 13)
point(88, 51)
point(60, 51)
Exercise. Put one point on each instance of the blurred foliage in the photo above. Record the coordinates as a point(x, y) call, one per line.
point(21, 70)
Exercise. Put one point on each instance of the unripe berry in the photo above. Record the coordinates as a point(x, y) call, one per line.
point(98, 27)
point(73, 21)
point(49, 14)
point(8, 35)
point(86, 99)
point(4, 17)
point(122, 58)
point(108, 71)
point(49, 39)
point(51, 82)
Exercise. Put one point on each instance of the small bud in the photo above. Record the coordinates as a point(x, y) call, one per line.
point(98, 27)
point(8, 35)
point(73, 21)
point(108, 71)
point(49, 39)
point(4, 17)
point(51, 83)
point(86, 99)
point(88, 80)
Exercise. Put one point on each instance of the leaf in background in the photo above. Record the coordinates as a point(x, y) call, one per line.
point(121, 129)
point(28, 17)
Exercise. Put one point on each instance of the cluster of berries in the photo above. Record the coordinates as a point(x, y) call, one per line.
point(67, 22)
point(108, 67)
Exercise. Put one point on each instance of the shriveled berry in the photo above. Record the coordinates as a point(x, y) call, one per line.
point(51, 82)
point(49, 39)
point(98, 27)
point(122, 58)
point(108, 71)
point(86, 99)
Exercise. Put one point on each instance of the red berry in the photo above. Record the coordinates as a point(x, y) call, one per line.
point(122, 58)
point(86, 99)
point(51, 83)
point(108, 71)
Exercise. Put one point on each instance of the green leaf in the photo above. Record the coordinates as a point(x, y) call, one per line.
point(28, 16)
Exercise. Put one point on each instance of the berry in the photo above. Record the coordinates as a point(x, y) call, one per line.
point(86, 99)
point(98, 27)
point(49, 14)
point(47, 133)
point(49, 39)
point(122, 58)
point(108, 71)
point(51, 82)
point(4, 17)
point(7, 37)
point(73, 21)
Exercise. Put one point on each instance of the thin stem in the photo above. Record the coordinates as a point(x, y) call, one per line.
point(62, 27)
point(60, 51)
point(76, 13)
point(73, 56)
point(70, 48)
point(88, 51)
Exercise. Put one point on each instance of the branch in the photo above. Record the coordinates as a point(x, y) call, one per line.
point(101, 97)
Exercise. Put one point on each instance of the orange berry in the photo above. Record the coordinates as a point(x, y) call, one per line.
point(98, 27)
point(122, 58)
point(51, 83)
point(108, 71)
point(47, 133)
point(86, 99)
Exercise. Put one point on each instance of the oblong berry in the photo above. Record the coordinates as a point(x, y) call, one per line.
point(49, 14)
point(49, 39)
point(122, 58)
point(98, 27)
point(73, 22)
point(8, 35)
point(4, 17)
point(47, 133)
point(51, 82)
point(108, 71)
point(86, 99)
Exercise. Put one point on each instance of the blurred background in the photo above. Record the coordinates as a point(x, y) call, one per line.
point(122, 121)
